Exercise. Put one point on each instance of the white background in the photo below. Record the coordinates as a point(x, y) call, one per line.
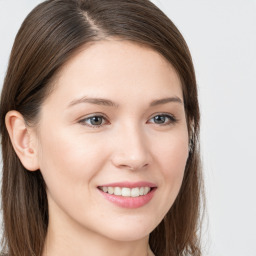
point(221, 35)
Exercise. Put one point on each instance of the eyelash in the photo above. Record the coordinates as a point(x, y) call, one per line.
point(172, 120)
point(83, 121)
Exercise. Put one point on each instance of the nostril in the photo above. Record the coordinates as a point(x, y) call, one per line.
point(130, 160)
point(133, 168)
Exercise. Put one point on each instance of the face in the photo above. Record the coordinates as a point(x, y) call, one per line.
point(113, 141)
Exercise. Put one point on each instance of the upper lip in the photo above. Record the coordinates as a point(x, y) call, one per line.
point(127, 184)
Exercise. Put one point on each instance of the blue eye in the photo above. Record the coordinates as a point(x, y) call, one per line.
point(94, 121)
point(98, 121)
point(163, 119)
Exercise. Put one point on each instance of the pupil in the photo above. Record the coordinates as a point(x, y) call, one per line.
point(96, 120)
point(159, 119)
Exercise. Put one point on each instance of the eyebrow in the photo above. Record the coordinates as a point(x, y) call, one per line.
point(165, 100)
point(96, 101)
point(109, 103)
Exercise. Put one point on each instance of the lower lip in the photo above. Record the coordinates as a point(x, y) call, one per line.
point(129, 202)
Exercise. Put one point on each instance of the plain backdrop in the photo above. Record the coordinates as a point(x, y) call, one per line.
point(221, 35)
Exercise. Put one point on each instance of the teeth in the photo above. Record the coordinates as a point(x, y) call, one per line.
point(146, 190)
point(110, 190)
point(118, 191)
point(126, 192)
point(135, 192)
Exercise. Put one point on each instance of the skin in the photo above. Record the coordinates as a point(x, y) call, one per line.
point(75, 157)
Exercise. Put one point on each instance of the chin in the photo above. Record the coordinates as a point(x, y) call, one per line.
point(131, 231)
point(128, 236)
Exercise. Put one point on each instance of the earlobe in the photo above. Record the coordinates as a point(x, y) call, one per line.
point(23, 140)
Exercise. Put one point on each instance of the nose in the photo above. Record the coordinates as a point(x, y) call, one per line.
point(131, 149)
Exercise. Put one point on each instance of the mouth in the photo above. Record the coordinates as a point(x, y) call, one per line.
point(126, 192)
point(128, 195)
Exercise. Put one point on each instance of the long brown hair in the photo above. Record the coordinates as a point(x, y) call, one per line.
point(48, 37)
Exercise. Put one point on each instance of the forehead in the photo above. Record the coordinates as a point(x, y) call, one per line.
point(113, 68)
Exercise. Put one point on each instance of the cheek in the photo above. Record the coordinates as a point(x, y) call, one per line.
point(172, 159)
point(172, 152)
point(69, 164)
point(66, 149)
point(68, 161)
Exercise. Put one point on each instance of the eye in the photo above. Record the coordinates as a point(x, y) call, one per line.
point(163, 119)
point(95, 121)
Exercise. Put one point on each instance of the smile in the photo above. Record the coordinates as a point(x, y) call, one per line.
point(128, 195)
point(126, 192)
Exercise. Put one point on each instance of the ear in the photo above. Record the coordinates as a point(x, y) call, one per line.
point(23, 139)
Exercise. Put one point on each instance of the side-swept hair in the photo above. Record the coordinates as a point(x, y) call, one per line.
point(48, 37)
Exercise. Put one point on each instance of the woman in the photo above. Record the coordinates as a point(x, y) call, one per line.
point(99, 125)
